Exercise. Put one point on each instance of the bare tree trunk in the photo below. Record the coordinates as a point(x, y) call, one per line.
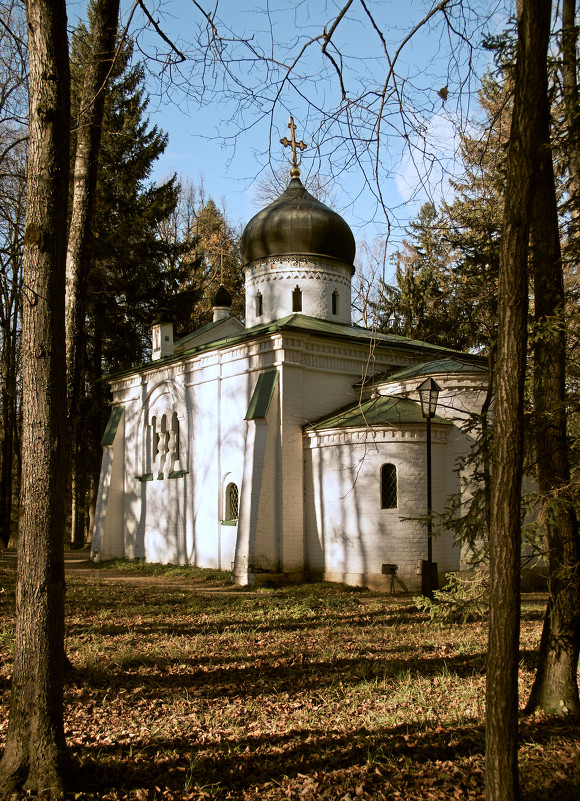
point(35, 753)
point(89, 127)
point(9, 420)
point(505, 533)
point(570, 89)
point(9, 361)
point(14, 135)
point(555, 686)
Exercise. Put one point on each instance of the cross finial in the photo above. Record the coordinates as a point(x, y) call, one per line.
point(295, 171)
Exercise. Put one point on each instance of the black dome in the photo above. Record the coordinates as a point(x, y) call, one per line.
point(297, 224)
point(222, 297)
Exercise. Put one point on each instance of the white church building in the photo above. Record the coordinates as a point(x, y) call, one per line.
point(291, 446)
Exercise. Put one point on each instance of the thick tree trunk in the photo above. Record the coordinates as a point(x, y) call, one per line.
point(555, 687)
point(505, 533)
point(35, 753)
point(89, 127)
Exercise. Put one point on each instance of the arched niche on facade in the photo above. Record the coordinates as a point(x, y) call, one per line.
point(163, 437)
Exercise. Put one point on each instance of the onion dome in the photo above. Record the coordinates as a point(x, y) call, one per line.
point(222, 297)
point(297, 224)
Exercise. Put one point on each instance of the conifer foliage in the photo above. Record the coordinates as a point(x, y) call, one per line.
point(126, 283)
point(202, 254)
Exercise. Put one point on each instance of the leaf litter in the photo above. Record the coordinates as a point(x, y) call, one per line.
point(312, 692)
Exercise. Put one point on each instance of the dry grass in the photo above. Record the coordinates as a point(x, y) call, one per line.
point(181, 692)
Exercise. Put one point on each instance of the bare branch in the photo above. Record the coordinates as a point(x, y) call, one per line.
point(157, 28)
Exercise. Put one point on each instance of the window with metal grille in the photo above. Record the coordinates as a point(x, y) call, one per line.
point(232, 497)
point(388, 486)
point(297, 300)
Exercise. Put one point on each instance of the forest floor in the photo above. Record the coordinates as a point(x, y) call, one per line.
point(186, 688)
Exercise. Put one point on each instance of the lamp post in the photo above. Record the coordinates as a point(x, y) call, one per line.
point(428, 395)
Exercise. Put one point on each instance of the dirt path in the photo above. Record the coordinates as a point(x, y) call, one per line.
point(78, 566)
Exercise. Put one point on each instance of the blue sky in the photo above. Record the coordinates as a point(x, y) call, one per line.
point(199, 131)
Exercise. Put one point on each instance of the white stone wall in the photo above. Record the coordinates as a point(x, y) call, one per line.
point(275, 279)
point(311, 501)
point(108, 541)
point(269, 525)
point(462, 394)
point(348, 536)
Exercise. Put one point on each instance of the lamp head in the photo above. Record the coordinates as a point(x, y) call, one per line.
point(428, 394)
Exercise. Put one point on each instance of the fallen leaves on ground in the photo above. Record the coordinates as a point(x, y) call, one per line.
point(316, 692)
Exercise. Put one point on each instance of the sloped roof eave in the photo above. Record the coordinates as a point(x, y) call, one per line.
point(298, 323)
point(312, 433)
point(382, 412)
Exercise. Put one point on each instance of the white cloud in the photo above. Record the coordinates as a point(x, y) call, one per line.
point(428, 162)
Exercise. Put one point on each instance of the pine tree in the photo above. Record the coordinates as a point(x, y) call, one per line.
point(203, 254)
point(127, 283)
point(127, 272)
point(474, 218)
point(421, 305)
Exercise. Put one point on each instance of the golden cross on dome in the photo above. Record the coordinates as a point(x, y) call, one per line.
point(294, 172)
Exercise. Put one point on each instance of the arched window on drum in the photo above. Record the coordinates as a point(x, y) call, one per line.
point(297, 300)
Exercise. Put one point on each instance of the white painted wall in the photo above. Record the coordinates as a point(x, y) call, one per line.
point(107, 541)
point(306, 501)
point(349, 537)
point(276, 278)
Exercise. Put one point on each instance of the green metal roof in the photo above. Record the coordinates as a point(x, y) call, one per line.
point(262, 395)
point(304, 324)
point(112, 425)
point(313, 325)
point(379, 411)
point(204, 328)
point(467, 364)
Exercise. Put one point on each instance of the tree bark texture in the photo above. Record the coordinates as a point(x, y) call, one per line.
point(571, 111)
point(9, 358)
point(35, 753)
point(10, 299)
point(9, 423)
point(505, 531)
point(78, 260)
point(555, 686)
